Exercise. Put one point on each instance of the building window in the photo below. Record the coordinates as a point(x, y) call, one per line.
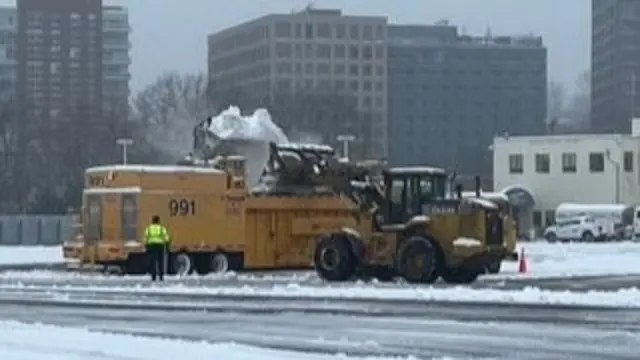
point(324, 30)
point(596, 162)
point(628, 161)
point(569, 163)
point(537, 218)
point(549, 217)
point(516, 163)
point(283, 30)
point(340, 31)
point(542, 163)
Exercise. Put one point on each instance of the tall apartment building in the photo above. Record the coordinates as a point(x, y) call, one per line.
point(59, 47)
point(450, 94)
point(115, 57)
point(8, 62)
point(615, 35)
point(115, 54)
point(312, 49)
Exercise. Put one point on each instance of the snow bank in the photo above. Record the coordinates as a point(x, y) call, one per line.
point(467, 242)
point(19, 255)
point(44, 342)
point(368, 292)
point(575, 259)
point(230, 124)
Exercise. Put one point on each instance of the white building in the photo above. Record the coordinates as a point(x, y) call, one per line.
point(586, 168)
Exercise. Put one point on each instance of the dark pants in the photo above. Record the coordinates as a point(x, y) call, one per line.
point(156, 254)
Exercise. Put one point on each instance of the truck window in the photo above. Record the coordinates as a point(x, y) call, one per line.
point(94, 217)
point(129, 219)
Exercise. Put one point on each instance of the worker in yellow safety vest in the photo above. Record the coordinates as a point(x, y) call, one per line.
point(157, 243)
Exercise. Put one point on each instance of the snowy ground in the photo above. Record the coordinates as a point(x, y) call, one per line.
point(20, 341)
point(27, 255)
point(546, 260)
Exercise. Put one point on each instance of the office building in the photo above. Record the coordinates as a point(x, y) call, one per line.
point(615, 65)
point(450, 94)
point(312, 50)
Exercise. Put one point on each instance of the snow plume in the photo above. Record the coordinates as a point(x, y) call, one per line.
point(174, 135)
point(230, 124)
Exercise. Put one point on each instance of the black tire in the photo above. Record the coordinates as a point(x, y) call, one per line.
point(494, 267)
point(416, 260)
point(587, 236)
point(333, 258)
point(551, 237)
point(180, 264)
point(461, 275)
point(219, 263)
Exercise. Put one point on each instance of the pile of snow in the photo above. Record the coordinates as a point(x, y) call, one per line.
point(547, 260)
point(44, 342)
point(364, 292)
point(466, 242)
point(230, 124)
point(249, 136)
point(30, 255)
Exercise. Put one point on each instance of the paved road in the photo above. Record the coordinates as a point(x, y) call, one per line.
point(358, 328)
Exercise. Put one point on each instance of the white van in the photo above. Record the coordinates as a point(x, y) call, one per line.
point(618, 219)
point(581, 228)
point(636, 224)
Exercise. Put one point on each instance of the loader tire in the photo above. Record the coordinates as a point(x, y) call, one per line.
point(333, 258)
point(416, 260)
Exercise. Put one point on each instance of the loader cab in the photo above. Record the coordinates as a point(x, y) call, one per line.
point(412, 191)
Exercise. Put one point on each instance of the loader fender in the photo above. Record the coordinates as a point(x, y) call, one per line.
point(357, 246)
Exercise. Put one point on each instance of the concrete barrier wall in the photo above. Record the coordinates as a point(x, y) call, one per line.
point(35, 230)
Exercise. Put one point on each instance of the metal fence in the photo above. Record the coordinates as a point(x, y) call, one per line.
point(30, 230)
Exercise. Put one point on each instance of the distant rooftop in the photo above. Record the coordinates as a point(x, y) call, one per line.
point(443, 33)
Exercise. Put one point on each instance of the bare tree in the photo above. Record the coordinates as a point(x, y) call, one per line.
point(579, 105)
point(557, 96)
point(569, 112)
point(168, 109)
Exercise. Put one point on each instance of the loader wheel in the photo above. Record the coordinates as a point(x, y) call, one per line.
point(219, 263)
point(462, 275)
point(181, 264)
point(416, 260)
point(333, 258)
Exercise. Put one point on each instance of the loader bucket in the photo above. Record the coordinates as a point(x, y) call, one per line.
point(255, 152)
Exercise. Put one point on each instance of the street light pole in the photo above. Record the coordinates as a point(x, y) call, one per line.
point(125, 143)
point(345, 139)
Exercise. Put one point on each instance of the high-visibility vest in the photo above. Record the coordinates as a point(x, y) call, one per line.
point(156, 234)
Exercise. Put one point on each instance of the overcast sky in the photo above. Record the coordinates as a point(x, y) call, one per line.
point(171, 34)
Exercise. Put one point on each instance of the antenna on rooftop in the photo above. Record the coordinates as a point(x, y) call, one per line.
point(488, 35)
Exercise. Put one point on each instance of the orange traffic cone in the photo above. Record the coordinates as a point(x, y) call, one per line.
point(522, 265)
